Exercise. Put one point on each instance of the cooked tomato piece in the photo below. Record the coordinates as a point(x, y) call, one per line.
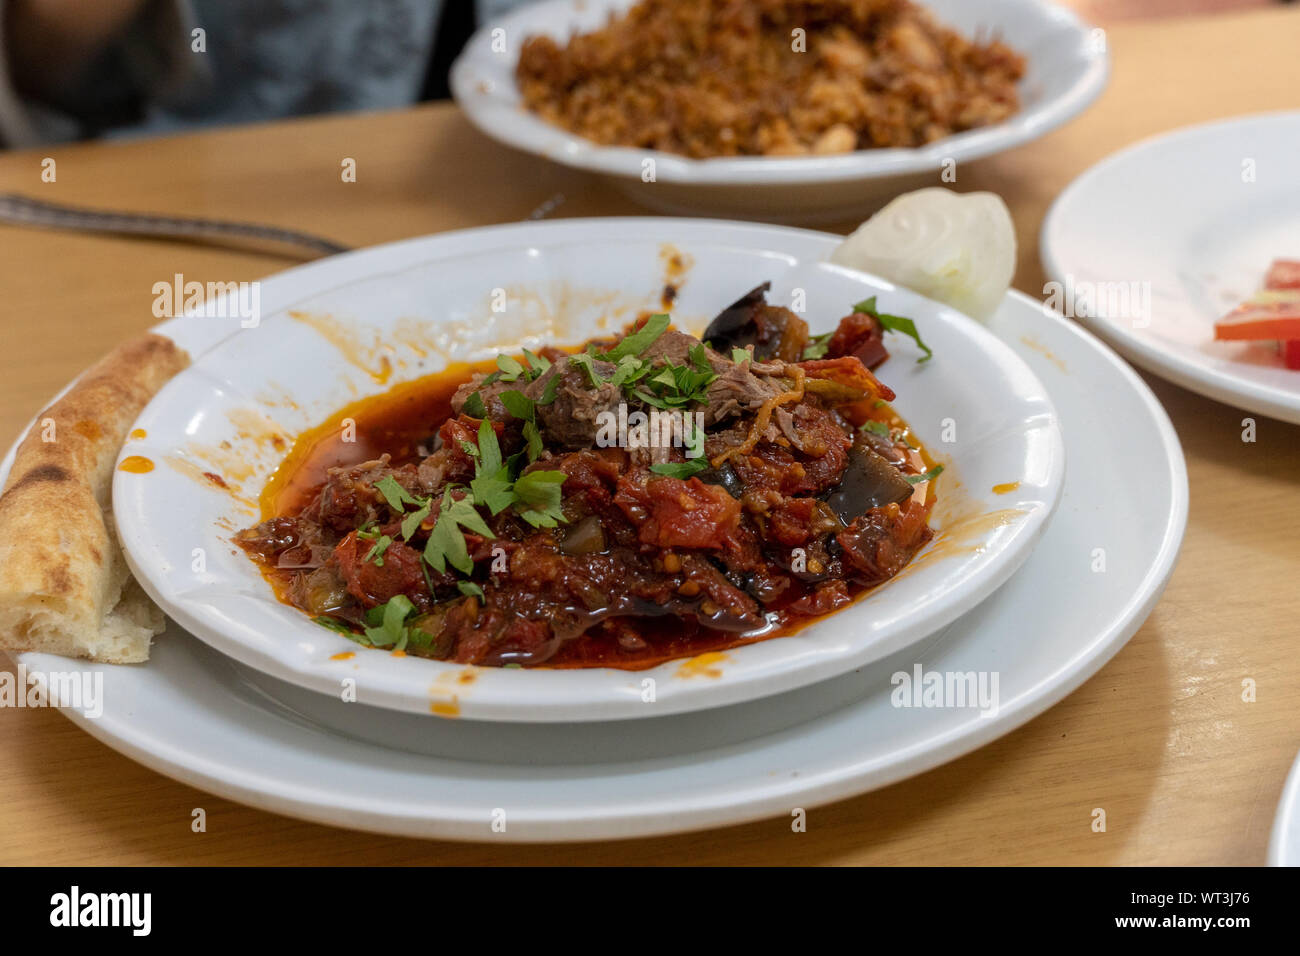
point(1283, 274)
point(860, 335)
point(672, 513)
point(373, 584)
point(1258, 321)
point(879, 543)
point(828, 596)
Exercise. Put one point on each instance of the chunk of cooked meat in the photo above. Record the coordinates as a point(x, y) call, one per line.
point(572, 419)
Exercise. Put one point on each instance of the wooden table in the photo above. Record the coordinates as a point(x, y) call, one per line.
point(1161, 738)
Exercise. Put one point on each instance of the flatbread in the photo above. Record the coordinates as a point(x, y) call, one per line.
point(64, 584)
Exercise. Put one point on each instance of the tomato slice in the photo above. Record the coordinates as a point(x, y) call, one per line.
point(1283, 274)
point(1291, 354)
point(1255, 321)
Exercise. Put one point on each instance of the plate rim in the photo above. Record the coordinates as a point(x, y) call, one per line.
point(1284, 838)
point(491, 701)
point(1202, 378)
point(305, 803)
point(536, 137)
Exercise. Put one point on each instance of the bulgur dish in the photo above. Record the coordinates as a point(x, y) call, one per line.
point(706, 78)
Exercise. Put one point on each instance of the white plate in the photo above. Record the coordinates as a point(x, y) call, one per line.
point(1199, 214)
point(189, 714)
point(1067, 69)
point(566, 281)
point(1284, 844)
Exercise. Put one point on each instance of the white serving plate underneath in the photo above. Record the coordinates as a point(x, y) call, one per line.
point(192, 714)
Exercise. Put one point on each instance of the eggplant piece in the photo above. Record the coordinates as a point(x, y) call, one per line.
point(735, 326)
point(726, 477)
point(870, 481)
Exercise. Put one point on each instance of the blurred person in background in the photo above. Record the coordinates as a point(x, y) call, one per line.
point(74, 69)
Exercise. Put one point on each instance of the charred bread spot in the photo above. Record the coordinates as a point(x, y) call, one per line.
point(50, 473)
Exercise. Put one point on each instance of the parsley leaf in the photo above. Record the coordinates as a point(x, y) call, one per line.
point(446, 544)
point(548, 393)
point(533, 435)
point(389, 629)
point(584, 361)
point(474, 406)
point(510, 369)
point(412, 522)
point(681, 469)
point(930, 475)
point(489, 449)
point(700, 358)
point(895, 323)
point(469, 589)
point(396, 496)
point(630, 369)
point(817, 346)
point(519, 405)
point(536, 365)
point(640, 340)
point(334, 624)
point(539, 492)
point(381, 543)
point(491, 484)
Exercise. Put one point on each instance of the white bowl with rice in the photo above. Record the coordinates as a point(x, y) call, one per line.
point(1066, 68)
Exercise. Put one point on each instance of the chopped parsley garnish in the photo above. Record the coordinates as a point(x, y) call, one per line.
point(533, 436)
point(638, 341)
point(664, 386)
point(518, 404)
point(895, 323)
point(630, 369)
point(396, 496)
point(818, 345)
point(672, 386)
point(539, 493)
point(334, 624)
point(411, 523)
point(446, 544)
point(381, 542)
point(877, 428)
point(930, 475)
point(536, 365)
point(474, 406)
point(509, 369)
point(681, 469)
point(742, 355)
point(387, 622)
point(469, 589)
point(549, 392)
point(491, 483)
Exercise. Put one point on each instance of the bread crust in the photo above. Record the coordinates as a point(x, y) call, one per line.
point(61, 572)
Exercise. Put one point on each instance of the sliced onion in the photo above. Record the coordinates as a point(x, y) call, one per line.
point(586, 537)
point(323, 592)
point(958, 248)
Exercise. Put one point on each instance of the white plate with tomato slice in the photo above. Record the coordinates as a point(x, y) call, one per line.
point(1184, 252)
